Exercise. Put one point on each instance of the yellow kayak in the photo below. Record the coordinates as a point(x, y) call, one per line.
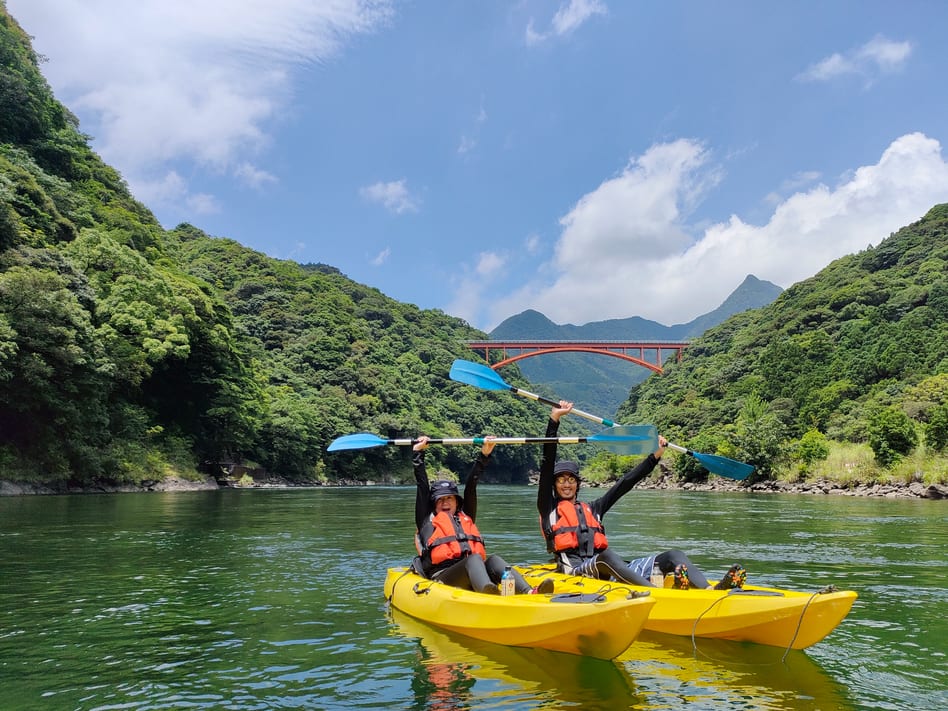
point(781, 618)
point(600, 626)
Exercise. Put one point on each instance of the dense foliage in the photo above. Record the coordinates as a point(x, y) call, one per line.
point(858, 353)
point(128, 352)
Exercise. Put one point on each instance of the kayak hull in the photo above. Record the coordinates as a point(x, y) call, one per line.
point(780, 618)
point(602, 628)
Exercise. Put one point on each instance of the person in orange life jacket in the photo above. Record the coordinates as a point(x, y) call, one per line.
point(574, 529)
point(452, 549)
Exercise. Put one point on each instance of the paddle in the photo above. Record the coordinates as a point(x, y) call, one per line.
point(631, 439)
point(481, 376)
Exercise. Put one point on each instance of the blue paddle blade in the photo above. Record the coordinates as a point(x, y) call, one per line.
point(722, 466)
point(628, 439)
point(480, 376)
point(362, 440)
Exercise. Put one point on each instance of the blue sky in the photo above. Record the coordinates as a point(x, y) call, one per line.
point(590, 159)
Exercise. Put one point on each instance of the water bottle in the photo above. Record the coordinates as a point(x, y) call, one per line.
point(508, 586)
point(657, 578)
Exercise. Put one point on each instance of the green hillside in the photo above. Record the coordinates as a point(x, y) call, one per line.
point(128, 352)
point(858, 354)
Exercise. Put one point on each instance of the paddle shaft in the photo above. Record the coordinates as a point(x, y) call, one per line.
point(554, 403)
point(495, 440)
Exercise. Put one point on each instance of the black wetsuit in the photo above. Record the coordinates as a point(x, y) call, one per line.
point(605, 562)
point(470, 572)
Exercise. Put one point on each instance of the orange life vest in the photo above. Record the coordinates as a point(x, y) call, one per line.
point(445, 537)
point(574, 527)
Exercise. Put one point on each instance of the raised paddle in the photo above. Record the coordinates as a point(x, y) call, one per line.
point(480, 376)
point(485, 378)
point(631, 439)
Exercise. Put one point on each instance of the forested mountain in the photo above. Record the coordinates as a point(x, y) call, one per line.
point(128, 352)
point(601, 383)
point(857, 353)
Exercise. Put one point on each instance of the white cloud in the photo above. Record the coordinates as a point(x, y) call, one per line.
point(877, 55)
point(623, 249)
point(158, 81)
point(382, 257)
point(489, 263)
point(567, 19)
point(202, 203)
point(639, 214)
point(886, 55)
point(393, 195)
point(253, 176)
point(476, 281)
point(533, 243)
point(795, 182)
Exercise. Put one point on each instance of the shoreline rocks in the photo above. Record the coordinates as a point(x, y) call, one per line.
point(914, 490)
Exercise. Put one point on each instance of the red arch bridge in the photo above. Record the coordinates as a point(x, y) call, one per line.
point(648, 354)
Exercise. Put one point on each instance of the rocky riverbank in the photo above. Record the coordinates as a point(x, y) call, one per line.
point(915, 490)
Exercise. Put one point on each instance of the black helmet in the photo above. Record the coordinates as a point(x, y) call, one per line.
point(443, 488)
point(566, 467)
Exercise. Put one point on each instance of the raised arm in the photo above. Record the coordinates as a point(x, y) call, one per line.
point(545, 498)
point(422, 487)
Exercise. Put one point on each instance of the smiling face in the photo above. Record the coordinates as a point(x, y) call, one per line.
point(566, 486)
point(446, 503)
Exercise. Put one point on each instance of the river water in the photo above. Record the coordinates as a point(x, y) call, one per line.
point(272, 599)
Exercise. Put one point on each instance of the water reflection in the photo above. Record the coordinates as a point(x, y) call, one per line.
point(711, 673)
point(658, 671)
point(454, 672)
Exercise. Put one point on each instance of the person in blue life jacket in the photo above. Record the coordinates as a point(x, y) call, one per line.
point(451, 548)
point(575, 534)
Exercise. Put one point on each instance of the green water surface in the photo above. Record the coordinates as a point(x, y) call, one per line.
point(272, 599)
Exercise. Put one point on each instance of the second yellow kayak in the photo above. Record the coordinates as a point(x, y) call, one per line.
point(781, 618)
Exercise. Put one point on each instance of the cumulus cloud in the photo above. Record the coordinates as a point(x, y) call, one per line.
point(795, 182)
point(878, 55)
point(624, 248)
point(394, 196)
point(567, 19)
point(158, 82)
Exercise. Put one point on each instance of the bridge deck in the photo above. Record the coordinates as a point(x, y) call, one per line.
point(616, 349)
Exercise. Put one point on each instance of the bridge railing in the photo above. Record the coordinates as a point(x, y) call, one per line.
point(623, 349)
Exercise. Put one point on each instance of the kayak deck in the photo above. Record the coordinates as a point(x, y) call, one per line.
point(781, 618)
point(600, 626)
